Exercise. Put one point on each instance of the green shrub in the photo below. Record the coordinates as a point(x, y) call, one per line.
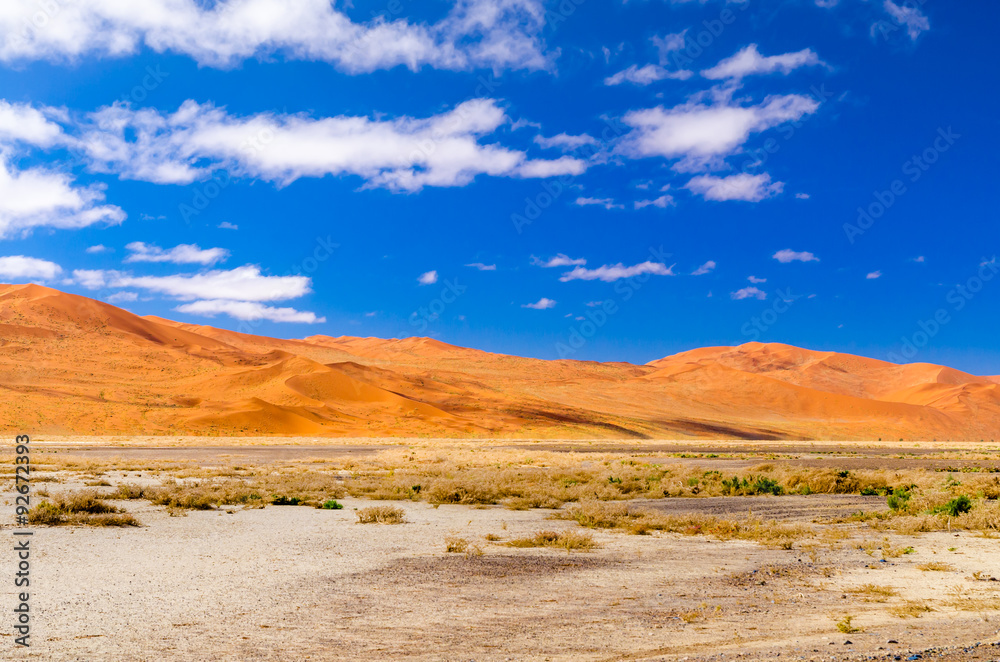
point(332, 504)
point(955, 507)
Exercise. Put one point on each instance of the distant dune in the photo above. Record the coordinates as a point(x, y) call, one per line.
point(72, 365)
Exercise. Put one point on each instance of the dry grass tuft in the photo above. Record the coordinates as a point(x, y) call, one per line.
point(381, 515)
point(568, 540)
point(935, 566)
point(874, 592)
point(909, 609)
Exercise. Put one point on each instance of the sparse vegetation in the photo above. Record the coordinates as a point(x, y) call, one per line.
point(846, 625)
point(332, 504)
point(80, 508)
point(909, 609)
point(935, 566)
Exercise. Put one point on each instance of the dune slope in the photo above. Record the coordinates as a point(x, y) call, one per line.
point(72, 365)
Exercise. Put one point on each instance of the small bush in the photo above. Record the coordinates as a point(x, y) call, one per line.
point(899, 499)
point(332, 504)
point(381, 515)
point(845, 625)
point(81, 508)
point(955, 507)
point(455, 545)
point(280, 500)
point(935, 566)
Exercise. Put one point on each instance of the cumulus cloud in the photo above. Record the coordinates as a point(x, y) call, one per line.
point(38, 197)
point(607, 203)
point(662, 202)
point(19, 267)
point(565, 141)
point(646, 75)
point(788, 255)
point(21, 123)
point(182, 254)
point(245, 283)
point(873, 275)
point(226, 225)
point(613, 272)
point(560, 260)
point(750, 188)
point(908, 16)
point(748, 293)
point(707, 128)
point(248, 311)
point(483, 267)
point(499, 34)
point(704, 269)
point(749, 62)
point(99, 248)
point(404, 153)
point(428, 278)
point(755, 280)
point(542, 304)
point(122, 297)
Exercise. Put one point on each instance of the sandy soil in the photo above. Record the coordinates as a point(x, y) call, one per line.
point(290, 583)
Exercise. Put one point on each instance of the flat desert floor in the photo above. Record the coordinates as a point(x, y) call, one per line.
point(283, 582)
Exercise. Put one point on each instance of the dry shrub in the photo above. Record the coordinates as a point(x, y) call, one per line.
point(568, 540)
point(936, 566)
point(381, 515)
point(909, 609)
point(639, 522)
point(874, 592)
point(80, 508)
point(455, 545)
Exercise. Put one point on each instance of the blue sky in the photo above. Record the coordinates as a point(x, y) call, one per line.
point(626, 180)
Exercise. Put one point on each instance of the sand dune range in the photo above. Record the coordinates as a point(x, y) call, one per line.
point(73, 365)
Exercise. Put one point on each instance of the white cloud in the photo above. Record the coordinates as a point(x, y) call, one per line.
point(755, 280)
point(19, 267)
point(704, 269)
point(707, 128)
point(182, 254)
point(560, 260)
point(668, 43)
point(428, 278)
point(122, 297)
point(483, 267)
point(919, 258)
point(497, 34)
point(241, 284)
point(404, 153)
point(226, 225)
point(801, 196)
point(749, 61)
point(873, 275)
point(543, 304)
point(247, 310)
point(99, 248)
point(38, 197)
point(607, 203)
point(662, 202)
point(613, 272)
point(565, 141)
point(787, 255)
point(909, 16)
point(645, 75)
point(750, 188)
point(748, 293)
point(22, 123)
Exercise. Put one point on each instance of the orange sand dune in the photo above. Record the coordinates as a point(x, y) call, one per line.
point(72, 365)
